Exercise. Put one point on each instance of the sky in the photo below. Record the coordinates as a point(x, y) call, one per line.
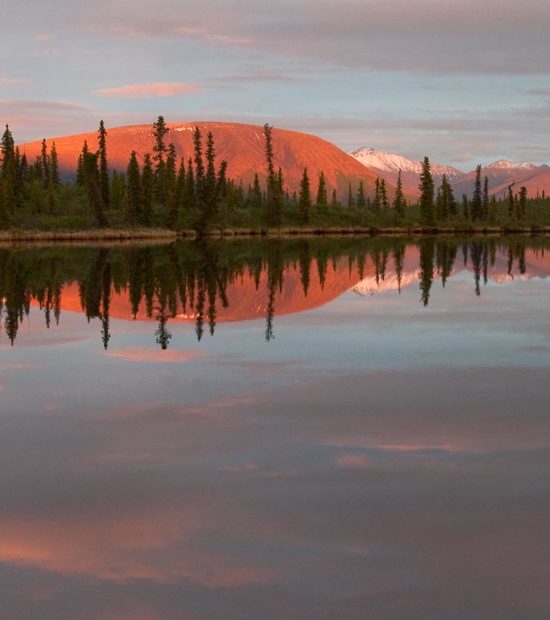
point(463, 81)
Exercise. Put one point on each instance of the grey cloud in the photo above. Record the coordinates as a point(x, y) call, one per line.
point(498, 36)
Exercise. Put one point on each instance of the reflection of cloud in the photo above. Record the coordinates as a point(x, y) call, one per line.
point(152, 89)
point(14, 81)
point(124, 548)
point(16, 366)
point(353, 460)
point(154, 355)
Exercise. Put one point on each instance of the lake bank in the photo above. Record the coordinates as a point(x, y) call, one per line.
point(113, 235)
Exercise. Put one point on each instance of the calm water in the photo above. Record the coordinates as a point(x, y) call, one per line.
point(333, 429)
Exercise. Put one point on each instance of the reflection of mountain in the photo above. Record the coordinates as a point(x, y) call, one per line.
point(537, 265)
point(245, 300)
point(208, 283)
point(242, 146)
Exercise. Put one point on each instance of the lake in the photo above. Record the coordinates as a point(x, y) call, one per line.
point(342, 428)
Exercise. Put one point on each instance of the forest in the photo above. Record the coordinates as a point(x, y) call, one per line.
point(158, 191)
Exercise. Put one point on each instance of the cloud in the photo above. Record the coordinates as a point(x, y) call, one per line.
point(425, 36)
point(151, 89)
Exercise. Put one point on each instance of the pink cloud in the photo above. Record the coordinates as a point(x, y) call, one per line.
point(2, 388)
point(151, 89)
point(146, 354)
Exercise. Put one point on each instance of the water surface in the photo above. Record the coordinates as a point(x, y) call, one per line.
point(334, 428)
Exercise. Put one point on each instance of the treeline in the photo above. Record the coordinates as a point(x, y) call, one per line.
point(162, 190)
point(193, 278)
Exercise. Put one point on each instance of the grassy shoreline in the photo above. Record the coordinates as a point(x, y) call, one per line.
point(161, 234)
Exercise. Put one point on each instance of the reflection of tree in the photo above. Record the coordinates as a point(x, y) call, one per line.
point(193, 278)
point(426, 268)
point(274, 281)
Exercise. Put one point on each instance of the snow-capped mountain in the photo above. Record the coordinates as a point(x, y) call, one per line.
point(504, 164)
point(387, 165)
point(392, 162)
point(503, 173)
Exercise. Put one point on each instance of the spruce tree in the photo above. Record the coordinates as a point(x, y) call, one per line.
point(383, 195)
point(159, 132)
point(133, 192)
point(91, 173)
point(256, 193)
point(377, 203)
point(522, 202)
point(144, 212)
point(476, 207)
point(511, 202)
point(322, 198)
point(351, 201)
point(274, 190)
point(103, 166)
point(304, 200)
point(426, 194)
point(485, 200)
point(399, 198)
point(44, 160)
point(54, 167)
point(210, 182)
point(361, 198)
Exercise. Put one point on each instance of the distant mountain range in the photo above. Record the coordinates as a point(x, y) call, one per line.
point(501, 173)
point(387, 165)
point(242, 146)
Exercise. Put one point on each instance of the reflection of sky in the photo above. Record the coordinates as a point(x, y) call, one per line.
point(377, 459)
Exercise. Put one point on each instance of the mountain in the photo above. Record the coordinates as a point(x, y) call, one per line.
point(242, 146)
point(503, 173)
point(387, 165)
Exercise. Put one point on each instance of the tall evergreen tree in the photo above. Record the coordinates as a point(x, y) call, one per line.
point(485, 199)
point(361, 198)
point(159, 132)
point(426, 201)
point(133, 192)
point(383, 194)
point(322, 197)
point(144, 211)
point(54, 167)
point(377, 202)
point(104, 183)
point(522, 202)
point(304, 200)
point(45, 162)
point(274, 191)
point(511, 201)
point(477, 206)
point(399, 198)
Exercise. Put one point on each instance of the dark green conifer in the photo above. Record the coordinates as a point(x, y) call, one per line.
point(322, 198)
point(399, 198)
point(133, 193)
point(103, 166)
point(304, 200)
point(477, 205)
point(426, 201)
point(144, 212)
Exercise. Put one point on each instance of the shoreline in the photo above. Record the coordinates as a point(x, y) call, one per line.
point(113, 235)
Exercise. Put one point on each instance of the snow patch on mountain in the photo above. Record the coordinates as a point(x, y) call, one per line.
point(392, 162)
point(501, 164)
